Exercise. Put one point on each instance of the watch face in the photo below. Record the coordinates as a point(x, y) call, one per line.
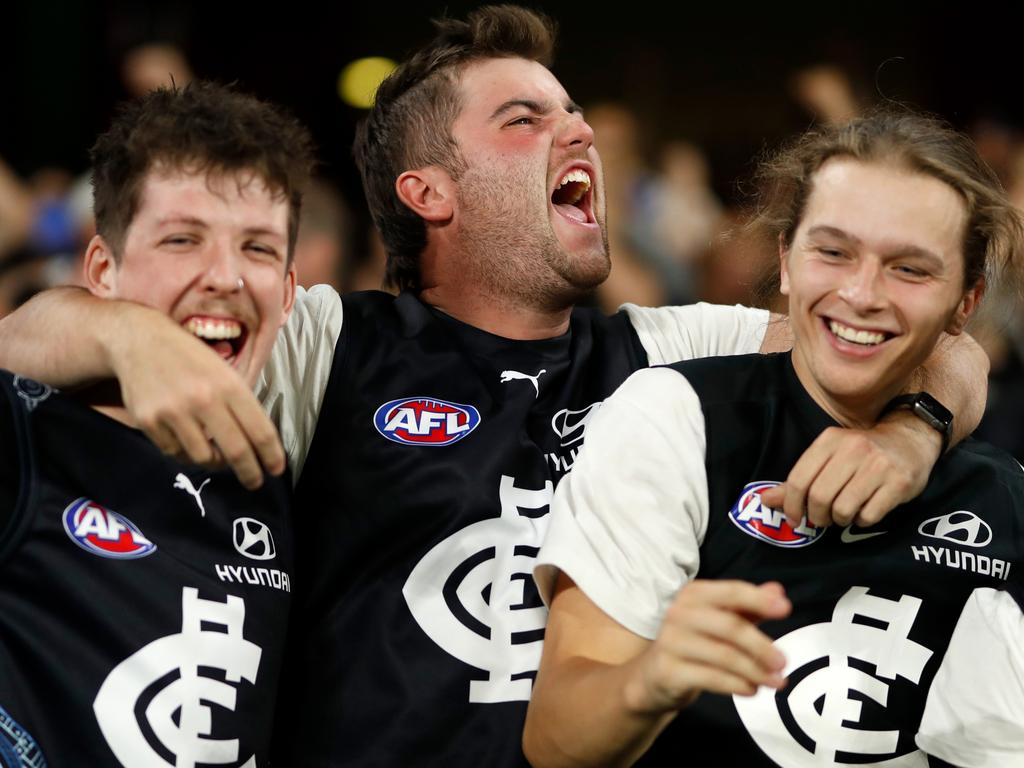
point(933, 410)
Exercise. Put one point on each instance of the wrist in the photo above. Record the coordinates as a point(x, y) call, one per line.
point(124, 330)
point(644, 698)
point(925, 441)
point(929, 411)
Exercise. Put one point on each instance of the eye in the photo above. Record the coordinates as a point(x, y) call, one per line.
point(831, 253)
point(262, 250)
point(179, 240)
point(909, 271)
point(523, 120)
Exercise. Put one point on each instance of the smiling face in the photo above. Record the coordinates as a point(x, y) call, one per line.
point(211, 252)
point(874, 275)
point(530, 204)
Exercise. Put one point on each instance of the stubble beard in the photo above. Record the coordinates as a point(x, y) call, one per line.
point(510, 249)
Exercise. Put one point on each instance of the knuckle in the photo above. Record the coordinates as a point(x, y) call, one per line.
point(818, 499)
point(796, 486)
point(869, 517)
point(235, 454)
point(842, 514)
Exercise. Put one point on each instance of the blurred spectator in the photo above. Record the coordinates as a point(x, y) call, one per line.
point(323, 250)
point(635, 274)
point(1000, 331)
point(54, 230)
point(15, 211)
point(686, 213)
point(999, 326)
point(999, 146)
point(152, 65)
point(826, 92)
point(737, 266)
point(23, 274)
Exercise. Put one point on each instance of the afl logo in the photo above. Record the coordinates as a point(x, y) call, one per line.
point(102, 532)
point(425, 421)
point(756, 519)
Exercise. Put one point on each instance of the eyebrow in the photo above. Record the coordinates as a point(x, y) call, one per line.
point(902, 249)
point(264, 231)
point(534, 106)
point(182, 219)
point(197, 222)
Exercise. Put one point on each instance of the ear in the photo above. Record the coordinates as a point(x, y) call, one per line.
point(783, 266)
point(428, 192)
point(289, 293)
point(100, 268)
point(966, 308)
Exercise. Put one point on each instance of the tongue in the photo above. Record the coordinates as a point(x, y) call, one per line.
point(222, 348)
point(571, 212)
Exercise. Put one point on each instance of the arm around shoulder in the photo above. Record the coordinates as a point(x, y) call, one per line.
point(67, 337)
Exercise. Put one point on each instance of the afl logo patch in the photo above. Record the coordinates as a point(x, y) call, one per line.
point(756, 519)
point(425, 421)
point(102, 532)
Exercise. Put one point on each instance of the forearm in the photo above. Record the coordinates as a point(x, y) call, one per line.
point(956, 374)
point(65, 336)
point(584, 713)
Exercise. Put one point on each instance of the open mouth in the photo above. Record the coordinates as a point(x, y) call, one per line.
point(857, 336)
point(223, 335)
point(573, 198)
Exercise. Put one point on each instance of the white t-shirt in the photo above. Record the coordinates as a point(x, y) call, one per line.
point(654, 427)
point(294, 380)
point(974, 716)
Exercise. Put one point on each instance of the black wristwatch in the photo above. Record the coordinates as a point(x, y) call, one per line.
point(929, 410)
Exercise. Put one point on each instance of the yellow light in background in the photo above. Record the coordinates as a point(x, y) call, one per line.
point(358, 81)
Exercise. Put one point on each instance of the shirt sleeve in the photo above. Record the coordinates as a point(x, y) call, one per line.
point(974, 715)
point(627, 522)
point(671, 334)
point(292, 384)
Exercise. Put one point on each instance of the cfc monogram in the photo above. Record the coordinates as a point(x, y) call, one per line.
point(473, 594)
point(820, 704)
point(178, 714)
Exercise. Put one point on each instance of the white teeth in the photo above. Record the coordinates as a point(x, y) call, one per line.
point(576, 174)
point(581, 179)
point(867, 338)
point(209, 328)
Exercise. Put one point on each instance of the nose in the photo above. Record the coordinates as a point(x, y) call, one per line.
point(574, 130)
point(222, 274)
point(863, 289)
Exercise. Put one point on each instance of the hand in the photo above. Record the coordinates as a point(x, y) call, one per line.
point(858, 476)
point(709, 641)
point(191, 404)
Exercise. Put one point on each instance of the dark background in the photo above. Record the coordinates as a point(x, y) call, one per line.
point(715, 74)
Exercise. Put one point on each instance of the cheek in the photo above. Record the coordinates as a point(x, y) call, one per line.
point(142, 288)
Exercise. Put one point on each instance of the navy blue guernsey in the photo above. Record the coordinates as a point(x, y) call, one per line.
point(873, 608)
point(425, 497)
point(143, 603)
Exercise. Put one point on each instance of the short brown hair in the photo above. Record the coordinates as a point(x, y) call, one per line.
point(203, 127)
point(994, 234)
point(411, 120)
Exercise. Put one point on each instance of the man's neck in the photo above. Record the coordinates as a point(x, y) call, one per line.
point(498, 315)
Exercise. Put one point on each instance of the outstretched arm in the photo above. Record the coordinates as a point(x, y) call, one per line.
point(178, 391)
point(603, 694)
point(859, 476)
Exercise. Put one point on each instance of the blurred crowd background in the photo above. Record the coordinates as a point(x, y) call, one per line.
point(683, 101)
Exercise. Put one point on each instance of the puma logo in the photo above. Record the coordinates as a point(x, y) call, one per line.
point(182, 482)
point(507, 376)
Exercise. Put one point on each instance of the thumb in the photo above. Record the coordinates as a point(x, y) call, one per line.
point(774, 496)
